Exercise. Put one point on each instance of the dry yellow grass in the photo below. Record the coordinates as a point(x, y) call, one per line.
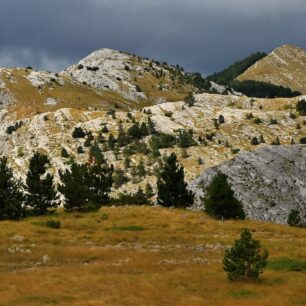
point(30, 101)
point(141, 256)
point(285, 66)
point(150, 84)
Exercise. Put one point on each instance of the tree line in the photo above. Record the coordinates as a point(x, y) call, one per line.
point(84, 187)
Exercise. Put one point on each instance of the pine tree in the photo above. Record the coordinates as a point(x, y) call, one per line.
point(80, 150)
point(144, 131)
point(119, 178)
point(100, 138)
point(111, 141)
point(87, 142)
point(140, 198)
point(301, 107)
point(171, 186)
point(11, 195)
point(200, 161)
point(155, 153)
point(276, 142)
point(64, 153)
point(122, 138)
point(134, 131)
point(184, 139)
point(245, 259)
point(190, 100)
point(141, 170)
point(151, 127)
point(137, 198)
point(255, 141)
point(105, 129)
point(127, 163)
point(96, 155)
point(78, 133)
point(86, 187)
point(89, 139)
point(303, 140)
point(74, 187)
point(149, 191)
point(130, 115)
point(221, 119)
point(99, 182)
point(220, 201)
point(42, 195)
point(294, 218)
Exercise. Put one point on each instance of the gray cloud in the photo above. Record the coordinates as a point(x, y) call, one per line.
point(201, 35)
point(20, 57)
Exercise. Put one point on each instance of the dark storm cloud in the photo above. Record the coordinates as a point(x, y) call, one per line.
point(201, 35)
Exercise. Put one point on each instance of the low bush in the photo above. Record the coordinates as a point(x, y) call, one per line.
point(53, 224)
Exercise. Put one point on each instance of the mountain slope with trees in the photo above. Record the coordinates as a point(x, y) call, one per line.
point(285, 66)
point(233, 77)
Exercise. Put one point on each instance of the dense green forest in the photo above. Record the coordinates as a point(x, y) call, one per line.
point(263, 90)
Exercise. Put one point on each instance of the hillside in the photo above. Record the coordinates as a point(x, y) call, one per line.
point(212, 143)
point(26, 92)
point(121, 80)
point(229, 74)
point(110, 92)
point(270, 181)
point(143, 256)
point(133, 110)
point(285, 66)
point(132, 77)
point(250, 87)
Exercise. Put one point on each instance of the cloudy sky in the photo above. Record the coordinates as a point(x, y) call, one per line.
point(200, 35)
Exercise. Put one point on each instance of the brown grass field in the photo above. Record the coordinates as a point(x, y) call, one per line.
point(144, 256)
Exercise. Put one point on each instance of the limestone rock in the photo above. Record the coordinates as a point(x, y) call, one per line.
point(270, 181)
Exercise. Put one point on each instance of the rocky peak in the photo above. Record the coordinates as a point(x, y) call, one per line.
point(109, 70)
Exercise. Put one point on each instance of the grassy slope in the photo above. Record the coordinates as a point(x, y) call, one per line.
point(30, 101)
point(229, 74)
point(142, 256)
point(285, 66)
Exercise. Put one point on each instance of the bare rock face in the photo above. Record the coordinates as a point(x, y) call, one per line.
point(269, 182)
point(106, 69)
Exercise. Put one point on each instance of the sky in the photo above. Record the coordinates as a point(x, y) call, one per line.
point(200, 35)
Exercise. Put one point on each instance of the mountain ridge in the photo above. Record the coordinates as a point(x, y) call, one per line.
point(40, 111)
point(284, 66)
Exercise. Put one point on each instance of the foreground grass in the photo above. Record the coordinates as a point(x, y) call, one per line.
point(143, 256)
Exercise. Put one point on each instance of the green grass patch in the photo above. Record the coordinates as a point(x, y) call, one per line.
point(132, 228)
point(56, 224)
point(242, 293)
point(287, 264)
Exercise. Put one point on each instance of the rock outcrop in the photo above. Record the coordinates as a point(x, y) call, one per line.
point(270, 181)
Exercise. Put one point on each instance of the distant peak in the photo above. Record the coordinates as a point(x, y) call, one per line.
point(288, 47)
